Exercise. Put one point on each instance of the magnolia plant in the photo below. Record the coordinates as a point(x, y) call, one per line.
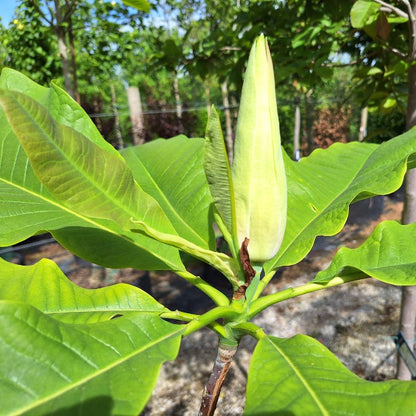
point(60, 350)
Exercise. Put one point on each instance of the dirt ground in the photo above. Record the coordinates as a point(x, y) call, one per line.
point(356, 322)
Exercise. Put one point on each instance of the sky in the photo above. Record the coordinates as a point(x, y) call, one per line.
point(6, 10)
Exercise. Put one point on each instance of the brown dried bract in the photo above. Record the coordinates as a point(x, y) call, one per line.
point(249, 272)
point(245, 262)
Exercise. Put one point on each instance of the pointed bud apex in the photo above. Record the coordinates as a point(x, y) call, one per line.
point(258, 171)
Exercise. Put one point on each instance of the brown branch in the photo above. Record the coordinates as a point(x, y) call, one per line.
point(393, 9)
point(409, 8)
point(212, 389)
point(42, 15)
point(412, 28)
point(394, 51)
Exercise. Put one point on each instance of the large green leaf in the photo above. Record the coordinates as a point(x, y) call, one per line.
point(389, 255)
point(76, 171)
point(178, 184)
point(322, 186)
point(26, 207)
point(45, 287)
point(59, 104)
point(107, 368)
point(300, 377)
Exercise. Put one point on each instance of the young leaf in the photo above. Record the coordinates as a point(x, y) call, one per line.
point(322, 186)
point(85, 369)
point(227, 265)
point(299, 376)
point(389, 255)
point(218, 172)
point(45, 287)
point(178, 184)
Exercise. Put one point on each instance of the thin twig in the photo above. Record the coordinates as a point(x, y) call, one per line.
point(412, 28)
point(393, 51)
point(391, 8)
point(212, 389)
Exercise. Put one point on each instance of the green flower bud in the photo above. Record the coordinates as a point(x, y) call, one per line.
point(258, 171)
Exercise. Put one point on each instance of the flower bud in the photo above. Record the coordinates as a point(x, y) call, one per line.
point(258, 172)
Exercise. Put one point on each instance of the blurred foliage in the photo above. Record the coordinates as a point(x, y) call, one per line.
point(319, 58)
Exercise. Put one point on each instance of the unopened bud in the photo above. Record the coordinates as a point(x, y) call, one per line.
point(258, 172)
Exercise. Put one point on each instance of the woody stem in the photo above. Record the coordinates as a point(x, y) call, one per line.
point(212, 389)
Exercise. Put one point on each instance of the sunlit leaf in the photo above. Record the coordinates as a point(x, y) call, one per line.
point(389, 255)
point(178, 184)
point(45, 287)
point(108, 368)
point(26, 207)
point(322, 186)
point(298, 376)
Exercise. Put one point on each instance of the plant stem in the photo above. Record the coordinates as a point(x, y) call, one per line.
point(189, 317)
point(218, 297)
point(212, 389)
point(225, 312)
point(178, 315)
point(263, 283)
point(266, 301)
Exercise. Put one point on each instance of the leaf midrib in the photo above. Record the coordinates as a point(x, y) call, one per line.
point(97, 373)
point(302, 380)
point(321, 213)
point(178, 218)
point(88, 220)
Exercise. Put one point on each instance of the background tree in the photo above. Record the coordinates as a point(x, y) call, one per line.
point(29, 47)
point(389, 66)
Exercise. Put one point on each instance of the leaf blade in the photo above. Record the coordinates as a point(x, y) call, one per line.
point(303, 377)
point(388, 255)
point(178, 184)
point(322, 186)
point(117, 361)
point(46, 288)
point(26, 207)
point(218, 172)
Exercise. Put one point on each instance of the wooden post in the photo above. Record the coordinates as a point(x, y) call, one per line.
point(136, 114)
point(363, 124)
point(296, 133)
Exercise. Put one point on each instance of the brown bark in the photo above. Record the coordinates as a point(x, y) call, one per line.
point(177, 94)
point(207, 96)
point(212, 389)
point(73, 62)
point(63, 49)
point(408, 306)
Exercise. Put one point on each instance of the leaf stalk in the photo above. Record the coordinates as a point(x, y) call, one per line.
point(266, 301)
